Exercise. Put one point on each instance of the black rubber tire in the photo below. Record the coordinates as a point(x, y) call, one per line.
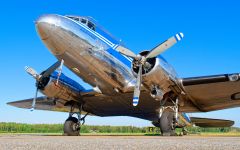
point(71, 127)
point(166, 124)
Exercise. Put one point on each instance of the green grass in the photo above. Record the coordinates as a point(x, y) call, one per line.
point(57, 129)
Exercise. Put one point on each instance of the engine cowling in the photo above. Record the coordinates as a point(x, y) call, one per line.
point(154, 76)
point(66, 88)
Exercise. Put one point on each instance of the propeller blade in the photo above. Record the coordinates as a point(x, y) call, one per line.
point(32, 72)
point(126, 52)
point(58, 65)
point(51, 69)
point(60, 70)
point(165, 45)
point(34, 100)
point(137, 89)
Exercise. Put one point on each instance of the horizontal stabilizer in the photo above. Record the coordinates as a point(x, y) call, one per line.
point(205, 122)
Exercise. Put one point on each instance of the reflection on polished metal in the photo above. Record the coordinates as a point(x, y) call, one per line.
point(67, 40)
point(49, 29)
point(107, 65)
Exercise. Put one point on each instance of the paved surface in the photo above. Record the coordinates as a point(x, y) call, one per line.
point(29, 142)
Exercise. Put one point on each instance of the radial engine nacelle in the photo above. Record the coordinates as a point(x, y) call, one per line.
point(154, 75)
point(61, 87)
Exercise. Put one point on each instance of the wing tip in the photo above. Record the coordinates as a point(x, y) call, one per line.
point(10, 103)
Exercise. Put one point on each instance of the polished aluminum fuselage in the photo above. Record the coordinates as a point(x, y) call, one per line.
point(94, 59)
point(92, 54)
point(88, 54)
point(84, 53)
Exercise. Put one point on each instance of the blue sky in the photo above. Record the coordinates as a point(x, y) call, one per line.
point(211, 44)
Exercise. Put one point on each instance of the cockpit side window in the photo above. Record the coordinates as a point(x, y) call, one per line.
point(91, 25)
point(74, 18)
point(77, 19)
point(84, 21)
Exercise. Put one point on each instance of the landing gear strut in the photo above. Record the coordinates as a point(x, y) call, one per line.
point(168, 116)
point(72, 125)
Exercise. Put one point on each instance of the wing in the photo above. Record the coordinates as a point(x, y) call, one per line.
point(99, 105)
point(210, 93)
point(43, 103)
point(206, 122)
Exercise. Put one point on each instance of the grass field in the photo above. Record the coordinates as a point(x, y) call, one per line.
point(88, 130)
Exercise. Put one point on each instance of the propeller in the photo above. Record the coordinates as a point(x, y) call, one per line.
point(137, 89)
point(41, 78)
point(60, 70)
point(141, 61)
point(165, 45)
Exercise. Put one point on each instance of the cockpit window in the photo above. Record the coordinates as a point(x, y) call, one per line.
point(74, 18)
point(84, 21)
point(91, 25)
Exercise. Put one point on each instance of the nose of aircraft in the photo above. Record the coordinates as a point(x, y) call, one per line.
point(48, 28)
point(45, 25)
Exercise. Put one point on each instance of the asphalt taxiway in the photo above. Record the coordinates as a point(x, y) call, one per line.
point(29, 142)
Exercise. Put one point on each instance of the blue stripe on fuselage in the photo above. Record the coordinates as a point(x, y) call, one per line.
point(112, 51)
point(111, 42)
point(119, 56)
point(114, 42)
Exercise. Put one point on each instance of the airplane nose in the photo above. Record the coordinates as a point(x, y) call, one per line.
point(42, 29)
point(47, 27)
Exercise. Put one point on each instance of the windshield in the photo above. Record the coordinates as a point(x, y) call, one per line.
point(84, 21)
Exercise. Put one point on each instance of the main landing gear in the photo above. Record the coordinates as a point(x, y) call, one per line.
point(168, 116)
point(72, 125)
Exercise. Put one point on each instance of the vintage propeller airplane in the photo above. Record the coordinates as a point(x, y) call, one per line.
point(140, 85)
